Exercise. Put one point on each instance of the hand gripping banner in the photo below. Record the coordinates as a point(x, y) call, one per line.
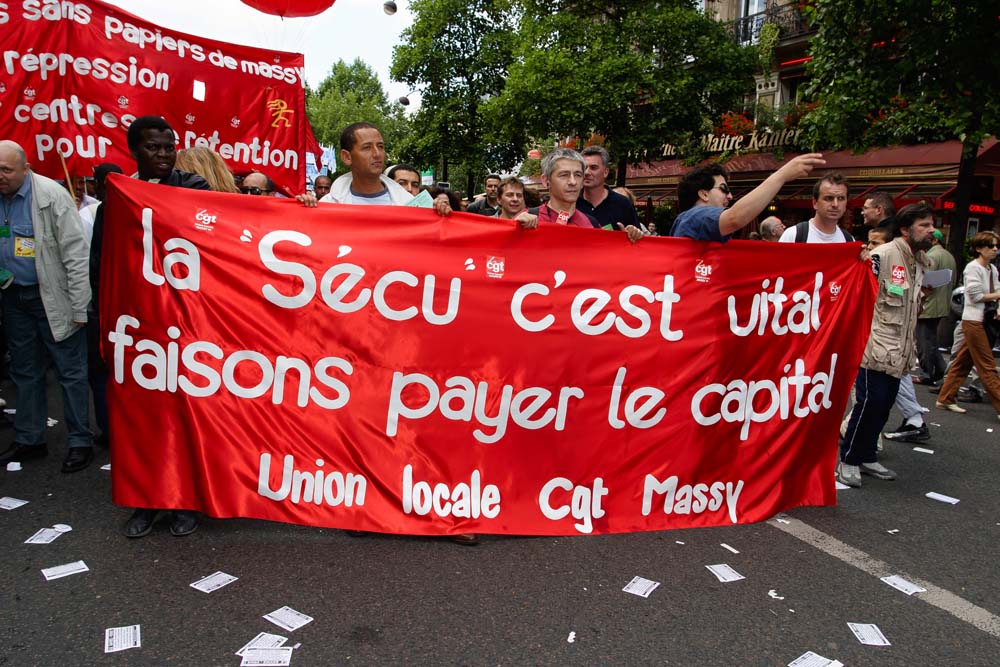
point(386, 369)
point(74, 75)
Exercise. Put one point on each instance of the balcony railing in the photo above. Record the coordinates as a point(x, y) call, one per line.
point(787, 17)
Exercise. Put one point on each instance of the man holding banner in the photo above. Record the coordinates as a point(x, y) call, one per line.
point(151, 142)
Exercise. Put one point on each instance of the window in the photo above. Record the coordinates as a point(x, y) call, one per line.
point(751, 7)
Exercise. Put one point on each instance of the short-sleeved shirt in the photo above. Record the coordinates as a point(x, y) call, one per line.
point(700, 223)
point(377, 199)
point(614, 209)
point(578, 219)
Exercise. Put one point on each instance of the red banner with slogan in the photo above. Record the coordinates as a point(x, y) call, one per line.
point(74, 75)
point(386, 369)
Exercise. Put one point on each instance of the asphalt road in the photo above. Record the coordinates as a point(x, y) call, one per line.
point(382, 600)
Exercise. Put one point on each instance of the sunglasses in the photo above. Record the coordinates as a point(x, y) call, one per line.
point(723, 188)
point(252, 191)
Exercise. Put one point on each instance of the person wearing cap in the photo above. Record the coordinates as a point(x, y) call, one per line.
point(936, 309)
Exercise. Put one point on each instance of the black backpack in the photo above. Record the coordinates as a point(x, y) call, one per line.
point(802, 233)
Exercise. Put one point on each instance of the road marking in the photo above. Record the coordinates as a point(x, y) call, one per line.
point(942, 599)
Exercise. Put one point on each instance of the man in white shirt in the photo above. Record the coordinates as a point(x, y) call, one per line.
point(830, 204)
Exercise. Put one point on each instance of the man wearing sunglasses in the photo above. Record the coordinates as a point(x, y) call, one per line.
point(257, 184)
point(705, 198)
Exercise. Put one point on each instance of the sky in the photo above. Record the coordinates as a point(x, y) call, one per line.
point(349, 29)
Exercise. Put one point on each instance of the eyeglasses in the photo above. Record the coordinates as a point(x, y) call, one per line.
point(252, 190)
point(723, 188)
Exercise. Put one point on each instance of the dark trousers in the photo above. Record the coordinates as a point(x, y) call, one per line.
point(874, 392)
point(931, 361)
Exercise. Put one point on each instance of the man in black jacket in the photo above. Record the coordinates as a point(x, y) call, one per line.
point(152, 143)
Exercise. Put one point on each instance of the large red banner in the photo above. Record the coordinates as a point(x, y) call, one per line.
point(74, 75)
point(386, 369)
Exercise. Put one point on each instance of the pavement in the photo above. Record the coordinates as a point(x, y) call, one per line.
point(394, 600)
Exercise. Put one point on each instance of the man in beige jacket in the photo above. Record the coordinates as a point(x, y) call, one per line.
point(891, 349)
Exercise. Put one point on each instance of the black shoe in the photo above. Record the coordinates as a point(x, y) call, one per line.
point(19, 452)
point(77, 458)
point(969, 395)
point(908, 433)
point(184, 523)
point(141, 522)
point(465, 539)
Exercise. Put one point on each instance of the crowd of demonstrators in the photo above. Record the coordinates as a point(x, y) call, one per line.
point(51, 300)
point(982, 292)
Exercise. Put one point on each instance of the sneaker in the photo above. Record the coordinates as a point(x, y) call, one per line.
point(969, 395)
point(909, 433)
point(849, 475)
point(950, 407)
point(877, 470)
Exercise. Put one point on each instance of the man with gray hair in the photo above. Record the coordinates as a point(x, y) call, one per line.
point(562, 174)
point(44, 254)
point(771, 228)
point(610, 209)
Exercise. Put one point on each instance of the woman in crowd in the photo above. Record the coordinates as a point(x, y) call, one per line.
point(209, 165)
point(981, 297)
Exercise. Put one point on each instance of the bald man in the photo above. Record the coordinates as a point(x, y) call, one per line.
point(44, 308)
point(771, 228)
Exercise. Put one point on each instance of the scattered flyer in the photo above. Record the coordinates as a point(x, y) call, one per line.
point(810, 659)
point(725, 573)
point(44, 536)
point(901, 584)
point(9, 503)
point(214, 582)
point(62, 528)
point(728, 548)
point(263, 640)
point(121, 639)
point(106, 466)
point(60, 571)
point(10, 411)
point(267, 657)
point(13, 466)
point(288, 619)
point(923, 450)
point(934, 495)
point(641, 587)
point(52, 422)
point(841, 487)
point(868, 634)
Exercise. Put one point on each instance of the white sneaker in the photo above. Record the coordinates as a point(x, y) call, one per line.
point(849, 475)
point(878, 471)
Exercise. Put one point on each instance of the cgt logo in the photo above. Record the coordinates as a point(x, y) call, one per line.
point(835, 291)
point(495, 266)
point(204, 220)
point(898, 275)
point(703, 272)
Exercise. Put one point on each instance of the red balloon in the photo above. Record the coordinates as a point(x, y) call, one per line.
point(290, 8)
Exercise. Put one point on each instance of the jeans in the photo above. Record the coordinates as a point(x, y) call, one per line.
point(875, 393)
point(906, 399)
point(28, 337)
point(931, 362)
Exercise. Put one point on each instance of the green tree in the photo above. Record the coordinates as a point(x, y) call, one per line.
point(640, 73)
point(456, 53)
point(906, 71)
point(349, 94)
